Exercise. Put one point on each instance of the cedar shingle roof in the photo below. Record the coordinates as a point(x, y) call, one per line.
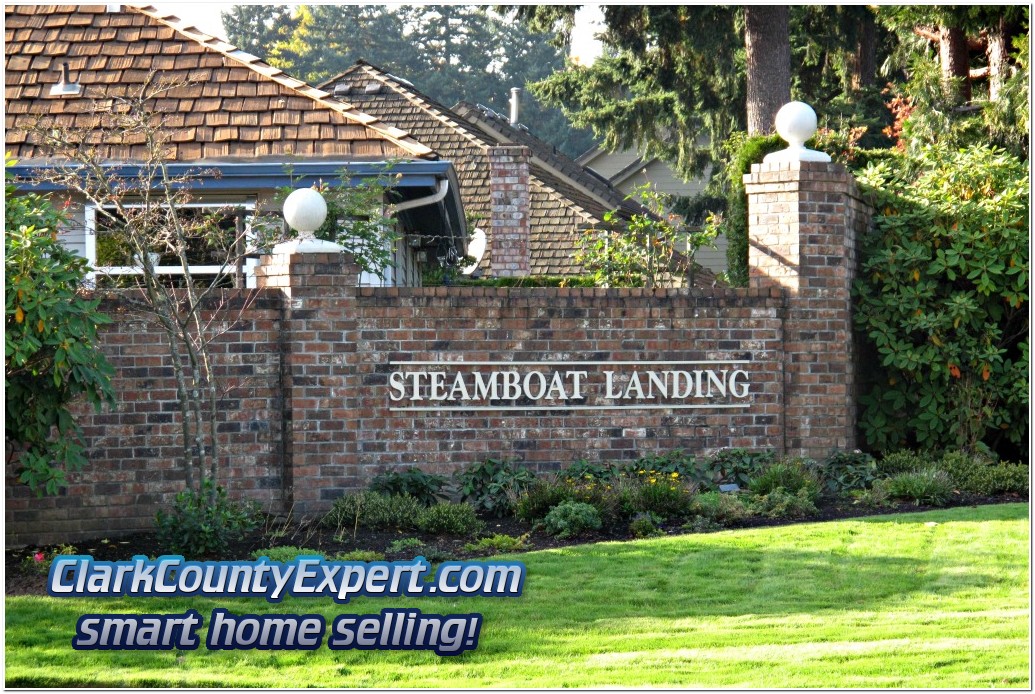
point(560, 206)
point(233, 105)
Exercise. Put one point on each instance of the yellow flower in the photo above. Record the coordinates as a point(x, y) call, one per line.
point(641, 471)
point(674, 475)
point(652, 480)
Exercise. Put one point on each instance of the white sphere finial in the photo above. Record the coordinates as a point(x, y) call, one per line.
point(305, 210)
point(796, 122)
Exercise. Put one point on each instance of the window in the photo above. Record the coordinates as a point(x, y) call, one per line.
point(218, 235)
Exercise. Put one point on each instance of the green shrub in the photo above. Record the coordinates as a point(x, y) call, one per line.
point(204, 522)
point(285, 554)
point(645, 525)
point(781, 503)
point(874, 497)
point(539, 497)
point(449, 519)
point(490, 487)
point(404, 545)
point(615, 500)
point(928, 486)
point(571, 519)
point(847, 470)
point(793, 476)
point(391, 512)
point(738, 465)
point(942, 299)
point(53, 356)
point(373, 510)
point(666, 496)
point(359, 555)
point(903, 461)
point(497, 544)
point(978, 474)
point(1002, 478)
point(716, 507)
point(422, 486)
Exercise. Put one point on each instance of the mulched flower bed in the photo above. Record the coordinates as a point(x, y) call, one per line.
point(23, 579)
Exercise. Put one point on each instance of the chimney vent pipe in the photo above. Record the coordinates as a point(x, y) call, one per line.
point(515, 105)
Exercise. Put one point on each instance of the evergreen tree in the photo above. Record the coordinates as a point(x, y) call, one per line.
point(449, 52)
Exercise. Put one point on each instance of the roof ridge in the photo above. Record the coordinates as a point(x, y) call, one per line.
point(390, 132)
point(426, 103)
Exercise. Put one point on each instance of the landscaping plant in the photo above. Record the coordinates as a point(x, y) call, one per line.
point(203, 522)
point(50, 334)
point(571, 519)
point(449, 519)
point(942, 299)
point(426, 488)
point(490, 486)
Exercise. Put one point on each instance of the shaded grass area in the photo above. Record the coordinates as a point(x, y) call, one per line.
point(937, 599)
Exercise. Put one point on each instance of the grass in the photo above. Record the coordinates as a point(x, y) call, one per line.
point(937, 599)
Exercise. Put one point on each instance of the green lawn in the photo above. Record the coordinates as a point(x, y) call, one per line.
point(935, 599)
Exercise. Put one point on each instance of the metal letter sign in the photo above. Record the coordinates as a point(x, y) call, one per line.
point(430, 386)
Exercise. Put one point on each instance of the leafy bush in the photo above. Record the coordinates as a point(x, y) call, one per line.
point(422, 486)
point(490, 486)
point(571, 519)
point(50, 335)
point(645, 525)
point(373, 510)
point(781, 503)
point(903, 461)
point(497, 544)
point(539, 497)
point(847, 470)
point(285, 554)
point(928, 486)
point(739, 465)
point(585, 470)
point(716, 507)
point(942, 299)
point(204, 522)
point(793, 476)
point(449, 519)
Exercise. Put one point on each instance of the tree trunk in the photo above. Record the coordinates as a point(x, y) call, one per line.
point(767, 40)
point(864, 61)
point(955, 62)
point(998, 62)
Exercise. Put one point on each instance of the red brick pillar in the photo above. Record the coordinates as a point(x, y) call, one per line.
point(803, 222)
point(318, 339)
point(508, 186)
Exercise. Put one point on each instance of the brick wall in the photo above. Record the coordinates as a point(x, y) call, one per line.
point(308, 369)
point(134, 449)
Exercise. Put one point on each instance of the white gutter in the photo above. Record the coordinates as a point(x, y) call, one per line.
point(437, 196)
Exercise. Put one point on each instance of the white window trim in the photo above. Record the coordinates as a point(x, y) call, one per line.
point(90, 218)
